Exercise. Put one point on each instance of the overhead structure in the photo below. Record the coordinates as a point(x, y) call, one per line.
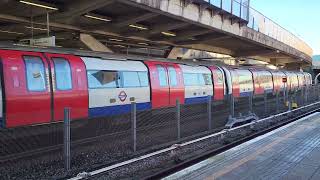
point(154, 27)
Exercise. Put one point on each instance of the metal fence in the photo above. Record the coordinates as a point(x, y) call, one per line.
point(61, 149)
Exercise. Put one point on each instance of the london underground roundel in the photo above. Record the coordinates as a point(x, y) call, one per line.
point(122, 96)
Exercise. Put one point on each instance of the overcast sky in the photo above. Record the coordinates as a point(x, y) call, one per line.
point(301, 17)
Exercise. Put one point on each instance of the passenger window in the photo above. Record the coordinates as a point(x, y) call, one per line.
point(103, 79)
point(130, 79)
point(62, 74)
point(35, 73)
point(144, 80)
point(162, 76)
point(190, 79)
point(219, 77)
point(207, 79)
point(173, 76)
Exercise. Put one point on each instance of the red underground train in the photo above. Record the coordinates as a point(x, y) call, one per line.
point(36, 86)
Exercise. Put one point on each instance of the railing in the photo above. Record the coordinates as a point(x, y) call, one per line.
point(239, 9)
point(261, 23)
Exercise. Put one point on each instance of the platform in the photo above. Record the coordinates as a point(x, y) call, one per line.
point(290, 152)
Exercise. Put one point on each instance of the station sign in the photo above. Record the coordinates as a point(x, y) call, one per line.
point(45, 41)
point(284, 79)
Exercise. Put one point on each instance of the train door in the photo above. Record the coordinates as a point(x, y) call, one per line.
point(27, 90)
point(69, 86)
point(2, 123)
point(218, 83)
point(159, 84)
point(176, 90)
point(166, 84)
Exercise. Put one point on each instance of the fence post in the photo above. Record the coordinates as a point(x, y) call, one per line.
point(66, 140)
point(290, 103)
point(178, 111)
point(134, 125)
point(277, 102)
point(209, 105)
point(232, 105)
point(318, 93)
point(306, 94)
point(251, 102)
point(301, 96)
point(265, 102)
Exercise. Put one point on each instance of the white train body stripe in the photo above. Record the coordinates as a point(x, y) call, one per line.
point(198, 91)
point(116, 96)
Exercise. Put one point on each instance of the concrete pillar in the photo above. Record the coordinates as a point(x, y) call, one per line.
point(93, 44)
point(175, 53)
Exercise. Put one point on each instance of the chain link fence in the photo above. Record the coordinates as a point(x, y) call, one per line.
point(40, 152)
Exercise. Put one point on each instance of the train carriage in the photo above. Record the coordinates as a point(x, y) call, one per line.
point(278, 84)
point(262, 80)
point(37, 86)
point(197, 83)
point(113, 85)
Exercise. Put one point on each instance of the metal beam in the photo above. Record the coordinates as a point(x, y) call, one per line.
point(184, 35)
point(158, 29)
point(254, 52)
point(205, 39)
point(125, 21)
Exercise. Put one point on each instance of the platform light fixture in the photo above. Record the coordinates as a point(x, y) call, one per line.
point(98, 17)
point(39, 5)
point(120, 46)
point(114, 39)
point(11, 32)
point(138, 26)
point(168, 34)
point(142, 43)
point(36, 28)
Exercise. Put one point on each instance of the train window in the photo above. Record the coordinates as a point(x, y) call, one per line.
point(103, 79)
point(173, 76)
point(206, 79)
point(190, 79)
point(62, 74)
point(130, 79)
point(219, 77)
point(162, 76)
point(35, 73)
point(144, 80)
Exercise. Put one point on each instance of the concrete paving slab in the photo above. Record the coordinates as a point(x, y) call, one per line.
point(290, 152)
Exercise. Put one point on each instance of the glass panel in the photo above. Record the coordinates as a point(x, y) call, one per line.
point(173, 76)
point(130, 79)
point(226, 5)
point(236, 8)
point(207, 79)
point(190, 79)
point(219, 77)
point(35, 73)
point(162, 76)
point(103, 79)
point(144, 80)
point(216, 3)
point(62, 74)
